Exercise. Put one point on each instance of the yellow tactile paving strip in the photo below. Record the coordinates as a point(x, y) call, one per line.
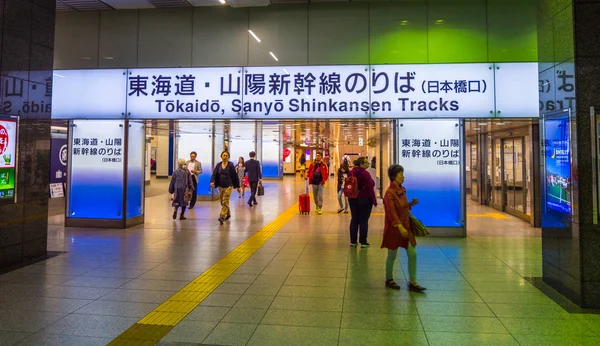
point(154, 326)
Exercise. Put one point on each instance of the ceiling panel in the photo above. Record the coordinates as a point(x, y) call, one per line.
point(128, 4)
point(170, 3)
point(86, 5)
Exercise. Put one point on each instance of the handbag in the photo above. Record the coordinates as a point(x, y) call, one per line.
point(189, 191)
point(418, 229)
point(261, 190)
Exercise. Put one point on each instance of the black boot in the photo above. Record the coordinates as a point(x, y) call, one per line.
point(175, 214)
point(182, 217)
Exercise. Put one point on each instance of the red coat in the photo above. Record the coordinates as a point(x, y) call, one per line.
point(324, 172)
point(397, 209)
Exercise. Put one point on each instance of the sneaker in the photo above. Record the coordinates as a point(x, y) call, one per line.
point(391, 284)
point(228, 217)
point(353, 244)
point(220, 221)
point(319, 211)
point(345, 211)
point(365, 245)
point(340, 210)
point(416, 288)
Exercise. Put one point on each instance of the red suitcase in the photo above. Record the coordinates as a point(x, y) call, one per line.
point(304, 202)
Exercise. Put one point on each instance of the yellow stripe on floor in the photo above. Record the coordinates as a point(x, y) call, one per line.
point(158, 323)
point(498, 216)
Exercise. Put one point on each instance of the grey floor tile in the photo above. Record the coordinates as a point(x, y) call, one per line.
point(537, 340)
point(447, 296)
point(307, 304)
point(9, 338)
point(225, 300)
point(454, 309)
point(518, 298)
point(72, 292)
point(154, 285)
point(226, 288)
point(381, 321)
point(529, 311)
point(390, 306)
point(315, 281)
point(252, 301)
point(230, 334)
point(244, 315)
point(168, 275)
point(323, 319)
point(27, 321)
point(91, 325)
point(42, 304)
point(123, 309)
point(63, 340)
point(291, 335)
point(116, 273)
point(311, 292)
point(137, 296)
point(264, 289)
point(461, 339)
point(97, 282)
point(189, 332)
point(208, 313)
point(382, 337)
point(547, 327)
point(461, 324)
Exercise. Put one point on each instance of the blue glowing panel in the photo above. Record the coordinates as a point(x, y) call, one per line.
point(135, 169)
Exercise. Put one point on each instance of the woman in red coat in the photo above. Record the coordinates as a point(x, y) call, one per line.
point(397, 232)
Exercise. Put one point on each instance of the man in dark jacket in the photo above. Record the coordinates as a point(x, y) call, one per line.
point(254, 176)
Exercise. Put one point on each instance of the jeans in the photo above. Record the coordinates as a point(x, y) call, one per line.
point(225, 196)
point(318, 191)
point(340, 197)
point(253, 188)
point(195, 193)
point(411, 251)
point(360, 209)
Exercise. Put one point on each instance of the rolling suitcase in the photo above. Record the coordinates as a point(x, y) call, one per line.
point(304, 202)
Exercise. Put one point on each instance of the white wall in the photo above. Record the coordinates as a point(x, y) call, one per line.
point(162, 156)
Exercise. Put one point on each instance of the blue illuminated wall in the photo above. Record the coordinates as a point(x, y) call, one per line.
point(272, 152)
point(198, 137)
point(135, 169)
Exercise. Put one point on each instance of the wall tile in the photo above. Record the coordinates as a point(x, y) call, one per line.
point(118, 39)
point(586, 20)
point(338, 34)
point(17, 18)
point(76, 44)
point(220, 36)
point(44, 23)
point(457, 31)
point(165, 38)
point(563, 35)
point(283, 30)
point(398, 33)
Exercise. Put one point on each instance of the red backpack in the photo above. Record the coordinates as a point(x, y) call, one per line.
point(351, 186)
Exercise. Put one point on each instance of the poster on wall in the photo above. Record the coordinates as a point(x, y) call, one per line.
point(96, 169)
point(430, 152)
point(8, 157)
point(556, 149)
point(59, 152)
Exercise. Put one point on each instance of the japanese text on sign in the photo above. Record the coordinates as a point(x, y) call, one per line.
point(109, 149)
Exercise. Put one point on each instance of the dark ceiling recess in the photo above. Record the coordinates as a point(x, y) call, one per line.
point(169, 3)
point(82, 5)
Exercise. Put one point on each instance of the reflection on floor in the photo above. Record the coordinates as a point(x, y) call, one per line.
point(304, 286)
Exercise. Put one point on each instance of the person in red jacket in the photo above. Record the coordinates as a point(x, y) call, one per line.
point(361, 207)
point(317, 176)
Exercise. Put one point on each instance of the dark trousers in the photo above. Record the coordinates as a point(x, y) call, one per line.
point(194, 193)
point(360, 209)
point(253, 189)
point(182, 210)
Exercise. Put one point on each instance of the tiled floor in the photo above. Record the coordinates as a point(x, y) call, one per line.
point(304, 286)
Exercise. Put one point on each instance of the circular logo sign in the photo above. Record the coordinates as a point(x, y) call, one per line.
point(3, 139)
point(63, 154)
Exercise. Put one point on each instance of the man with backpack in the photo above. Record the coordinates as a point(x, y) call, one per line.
point(317, 176)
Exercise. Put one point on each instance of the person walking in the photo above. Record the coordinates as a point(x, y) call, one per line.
point(343, 172)
point(254, 177)
point(195, 168)
point(180, 181)
point(397, 231)
point(361, 207)
point(225, 179)
point(302, 164)
point(241, 172)
point(317, 176)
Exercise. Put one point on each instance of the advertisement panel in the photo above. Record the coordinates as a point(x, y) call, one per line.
point(430, 152)
point(59, 154)
point(8, 158)
point(306, 92)
point(199, 93)
point(556, 149)
point(96, 169)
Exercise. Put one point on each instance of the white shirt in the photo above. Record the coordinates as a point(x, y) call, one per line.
point(191, 166)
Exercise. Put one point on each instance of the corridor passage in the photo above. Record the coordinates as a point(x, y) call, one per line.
point(294, 281)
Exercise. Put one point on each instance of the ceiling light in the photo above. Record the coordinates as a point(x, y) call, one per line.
point(439, 21)
point(273, 55)
point(482, 124)
point(254, 35)
point(108, 58)
point(404, 22)
point(58, 75)
point(222, 1)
